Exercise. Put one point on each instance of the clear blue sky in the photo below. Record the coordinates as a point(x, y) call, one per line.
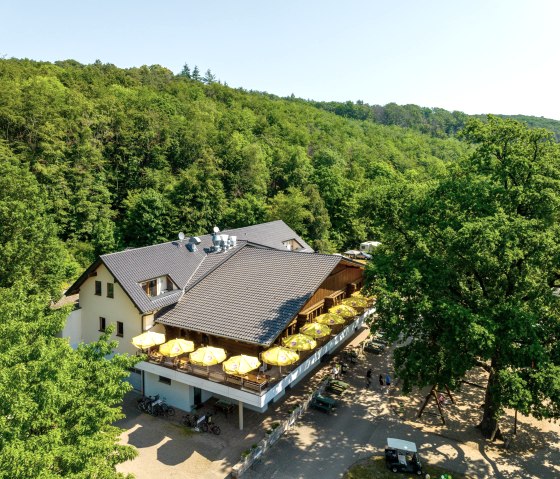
point(477, 56)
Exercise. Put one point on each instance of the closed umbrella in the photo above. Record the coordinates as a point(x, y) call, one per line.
point(176, 347)
point(207, 356)
point(315, 330)
point(344, 311)
point(280, 356)
point(148, 339)
point(299, 342)
point(240, 364)
point(330, 319)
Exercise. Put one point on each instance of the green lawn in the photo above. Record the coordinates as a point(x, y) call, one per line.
point(374, 468)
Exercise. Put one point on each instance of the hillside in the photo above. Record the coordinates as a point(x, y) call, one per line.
point(129, 157)
point(436, 122)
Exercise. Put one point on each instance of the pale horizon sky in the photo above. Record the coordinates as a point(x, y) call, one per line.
point(477, 56)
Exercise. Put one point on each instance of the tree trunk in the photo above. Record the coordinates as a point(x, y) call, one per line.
point(489, 424)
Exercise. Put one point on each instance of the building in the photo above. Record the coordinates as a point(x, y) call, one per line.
point(242, 290)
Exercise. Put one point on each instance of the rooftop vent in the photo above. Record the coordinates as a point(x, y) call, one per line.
point(222, 242)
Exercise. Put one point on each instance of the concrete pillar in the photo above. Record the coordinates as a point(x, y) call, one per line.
point(240, 416)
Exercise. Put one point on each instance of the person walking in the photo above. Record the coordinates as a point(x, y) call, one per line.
point(381, 383)
point(368, 378)
point(387, 380)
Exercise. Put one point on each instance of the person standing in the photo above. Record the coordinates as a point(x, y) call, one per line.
point(368, 378)
point(387, 380)
point(381, 383)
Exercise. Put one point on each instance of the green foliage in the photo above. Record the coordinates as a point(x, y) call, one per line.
point(128, 157)
point(57, 405)
point(466, 269)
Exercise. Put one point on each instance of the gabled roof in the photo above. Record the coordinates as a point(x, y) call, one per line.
point(252, 296)
point(134, 266)
point(271, 234)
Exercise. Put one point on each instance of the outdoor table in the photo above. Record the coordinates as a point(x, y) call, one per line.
point(182, 363)
point(337, 386)
point(225, 406)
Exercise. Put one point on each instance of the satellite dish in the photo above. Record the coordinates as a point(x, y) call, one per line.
point(181, 236)
point(216, 229)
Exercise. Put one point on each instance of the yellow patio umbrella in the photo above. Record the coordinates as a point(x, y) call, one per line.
point(240, 364)
point(299, 342)
point(208, 356)
point(148, 339)
point(176, 347)
point(330, 319)
point(344, 311)
point(280, 356)
point(355, 302)
point(359, 294)
point(315, 330)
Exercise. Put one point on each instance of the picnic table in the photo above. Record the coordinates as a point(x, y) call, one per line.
point(224, 405)
point(324, 403)
point(337, 386)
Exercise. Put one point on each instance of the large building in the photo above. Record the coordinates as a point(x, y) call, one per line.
point(242, 290)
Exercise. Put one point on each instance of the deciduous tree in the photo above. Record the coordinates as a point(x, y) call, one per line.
point(467, 270)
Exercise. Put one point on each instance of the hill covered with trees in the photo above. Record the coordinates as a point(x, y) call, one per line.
point(128, 157)
point(436, 122)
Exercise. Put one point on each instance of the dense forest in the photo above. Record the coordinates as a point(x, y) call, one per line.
point(432, 121)
point(128, 157)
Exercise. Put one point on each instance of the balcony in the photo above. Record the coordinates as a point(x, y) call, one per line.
point(254, 389)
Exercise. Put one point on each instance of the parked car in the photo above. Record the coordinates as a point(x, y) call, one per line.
point(402, 456)
point(374, 347)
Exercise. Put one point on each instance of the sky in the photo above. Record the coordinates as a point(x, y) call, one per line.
point(476, 56)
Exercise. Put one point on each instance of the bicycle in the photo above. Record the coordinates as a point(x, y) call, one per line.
point(201, 423)
point(145, 403)
point(161, 408)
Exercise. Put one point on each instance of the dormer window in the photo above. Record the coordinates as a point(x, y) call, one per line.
point(292, 245)
point(157, 286)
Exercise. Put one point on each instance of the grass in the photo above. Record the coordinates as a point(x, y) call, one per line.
point(374, 468)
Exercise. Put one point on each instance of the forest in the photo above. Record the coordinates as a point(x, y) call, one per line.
point(130, 157)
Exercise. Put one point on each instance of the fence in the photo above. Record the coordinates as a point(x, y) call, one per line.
point(272, 437)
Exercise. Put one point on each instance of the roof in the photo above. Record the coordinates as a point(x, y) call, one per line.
point(271, 234)
point(265, 290)
point(401, 444)
point(133, 266)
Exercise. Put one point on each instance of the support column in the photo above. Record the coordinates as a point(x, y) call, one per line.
point(240, 416)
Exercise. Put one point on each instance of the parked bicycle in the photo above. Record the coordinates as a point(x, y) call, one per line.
point(155, 406)
point(201, 423)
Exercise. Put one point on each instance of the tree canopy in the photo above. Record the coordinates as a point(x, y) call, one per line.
point(468, 267)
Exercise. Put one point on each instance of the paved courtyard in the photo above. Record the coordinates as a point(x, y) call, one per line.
point(321, 446)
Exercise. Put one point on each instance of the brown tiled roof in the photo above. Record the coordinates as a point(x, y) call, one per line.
point(252, 296)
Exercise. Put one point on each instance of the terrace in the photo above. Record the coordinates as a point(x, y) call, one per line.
point(259, 388)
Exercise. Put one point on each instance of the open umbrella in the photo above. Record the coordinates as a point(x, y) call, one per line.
point(148, 339)
point(315, 330)
point(356, 303)
point(176, 347)
point(207, 356)
point(240, 364)
point(344, 311)
point(299, 342)
point(330, 319)
point(280, 356)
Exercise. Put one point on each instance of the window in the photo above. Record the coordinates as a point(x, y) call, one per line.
point(164, 380)
point(98, 288)
point(102, 324)
point(120, 329)
point(110, 290)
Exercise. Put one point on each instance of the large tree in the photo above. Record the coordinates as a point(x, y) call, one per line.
point(468, 267)
point(57, 405)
